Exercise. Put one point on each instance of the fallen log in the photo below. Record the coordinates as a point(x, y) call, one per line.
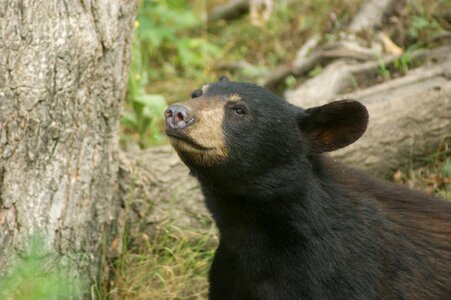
point(409, 116)
point(342, 76)
point(303, 64)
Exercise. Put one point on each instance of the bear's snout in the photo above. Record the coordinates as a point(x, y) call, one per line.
point(178, 116)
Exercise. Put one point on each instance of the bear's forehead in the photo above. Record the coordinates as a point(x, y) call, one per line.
point(237, 91)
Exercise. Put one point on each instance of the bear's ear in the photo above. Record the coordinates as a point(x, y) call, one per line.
point(223, 78)
point(334, 125)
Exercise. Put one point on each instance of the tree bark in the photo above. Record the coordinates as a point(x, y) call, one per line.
point(63, 75)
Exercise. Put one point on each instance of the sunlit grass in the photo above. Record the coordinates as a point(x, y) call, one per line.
point(430, 173)
point(172, 263)
point(37, 274)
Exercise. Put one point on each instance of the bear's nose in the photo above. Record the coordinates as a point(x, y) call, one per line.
point(178, 116)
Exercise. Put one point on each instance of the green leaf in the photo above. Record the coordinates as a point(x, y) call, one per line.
point(420, 22)
point(154, 102)
point(447, 167)
point(129, 119)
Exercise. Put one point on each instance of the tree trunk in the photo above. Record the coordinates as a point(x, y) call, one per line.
point(63, 75)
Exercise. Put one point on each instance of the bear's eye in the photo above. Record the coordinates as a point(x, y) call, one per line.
point(196, 93)
point(239, 111)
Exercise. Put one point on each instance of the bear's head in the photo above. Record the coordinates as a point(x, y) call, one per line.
point(245, 129)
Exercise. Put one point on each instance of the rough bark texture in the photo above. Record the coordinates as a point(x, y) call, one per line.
point(63, 74)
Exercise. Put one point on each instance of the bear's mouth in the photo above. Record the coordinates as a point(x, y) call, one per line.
point(187, 140)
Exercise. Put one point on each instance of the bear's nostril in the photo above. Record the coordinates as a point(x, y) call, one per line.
point(168, 113)
point(179, 117)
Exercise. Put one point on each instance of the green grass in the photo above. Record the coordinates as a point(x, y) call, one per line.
point(429, 173)
point(171, 263)
point(37, 274)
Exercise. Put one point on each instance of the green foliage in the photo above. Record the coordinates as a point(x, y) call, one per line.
point(172, 263)
point(383, 71)
point(173, 52)
point(447, 167)
point(315, 72)
point(168, 41)
point(37, 275)
point(403, 62)
point(147, 111)
point(290, 81)
point(447, 174)
point(170, 35)
point(424, 20)
point(422, 27)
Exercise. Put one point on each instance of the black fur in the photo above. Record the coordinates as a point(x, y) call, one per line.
point(295, 225)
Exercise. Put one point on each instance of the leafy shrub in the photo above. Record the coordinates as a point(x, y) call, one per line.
point(168, 41)
point(38, 275)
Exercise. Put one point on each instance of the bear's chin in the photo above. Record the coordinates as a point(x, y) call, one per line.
point(196, 155)
point(195, 158)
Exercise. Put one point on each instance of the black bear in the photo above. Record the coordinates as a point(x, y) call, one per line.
point(294, 224)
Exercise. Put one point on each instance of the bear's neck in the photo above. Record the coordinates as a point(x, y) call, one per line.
point(284, 206)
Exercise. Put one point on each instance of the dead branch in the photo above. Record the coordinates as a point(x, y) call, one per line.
point(230, 10)
point(323, 56)
point(371, 14)
point(343, 75)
